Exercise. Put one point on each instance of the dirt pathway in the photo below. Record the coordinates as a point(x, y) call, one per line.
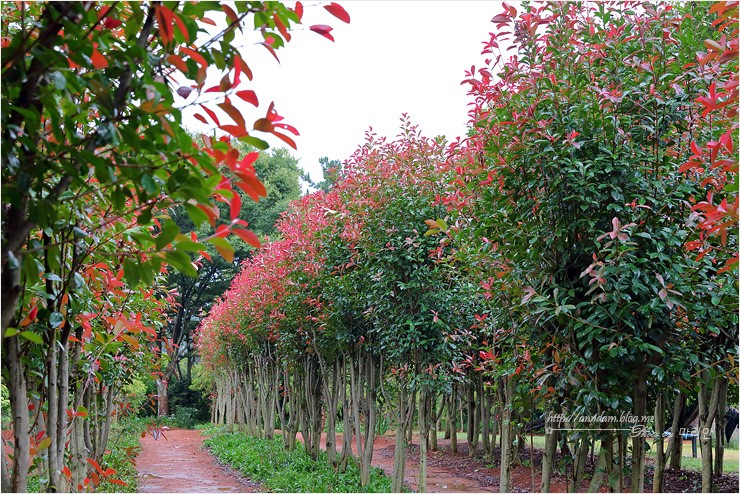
point(179, 463)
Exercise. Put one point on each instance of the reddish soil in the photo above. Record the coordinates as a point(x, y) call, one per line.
point(178, 462)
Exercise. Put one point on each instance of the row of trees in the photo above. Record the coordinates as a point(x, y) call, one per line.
point(574, 254)
point(95, 159)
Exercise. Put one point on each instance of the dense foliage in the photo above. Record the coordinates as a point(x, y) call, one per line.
point(95, 157)
point(575, 254)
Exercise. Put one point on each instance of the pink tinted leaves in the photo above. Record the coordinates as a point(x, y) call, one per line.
point(338, 11)
point(323, 30)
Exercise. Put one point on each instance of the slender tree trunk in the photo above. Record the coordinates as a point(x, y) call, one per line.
point(507, 392)
point(163, 405)
point(707, 413)
point(346, 421)
point(659, 452)
point(18, 409)
point(452, 418)
point(548, 458)
point(399, 456)
point(601, 468)
point(720, 422)
point(638, 443)
point(424, 422)
point(675, 443)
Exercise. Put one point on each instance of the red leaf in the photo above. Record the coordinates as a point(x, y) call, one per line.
point(117, 481)
point(167, 18)
point(206, 20)
point(338, 11)
point(95, 465)
point(235, 206)
point(211, 114)
point(287, 140)
point(194, 55)
point(178, 62)
point(263, 125)
point(298, 10)
point(98, 60)
point(249, 96)
point(233, 112)
point(243, 66)
point(281, 27)
point(287, 127)
point(234, 130)
point(109, 23)
point(165, 24)
point(248, 236)
point(230, 14)
point(271, 50)
point(201, 118)
point(323, 30)
point(249, 160)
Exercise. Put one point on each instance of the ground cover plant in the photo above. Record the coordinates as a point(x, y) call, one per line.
point(278, 470)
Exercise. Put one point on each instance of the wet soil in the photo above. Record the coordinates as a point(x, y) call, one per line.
point(178, 462)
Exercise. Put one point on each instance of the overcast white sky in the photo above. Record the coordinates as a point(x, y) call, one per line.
point(394, 57)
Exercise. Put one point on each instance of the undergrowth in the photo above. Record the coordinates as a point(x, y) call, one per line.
point(123, 448)
point(266, 461)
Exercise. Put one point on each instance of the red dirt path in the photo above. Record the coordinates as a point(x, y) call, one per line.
point(179, 463)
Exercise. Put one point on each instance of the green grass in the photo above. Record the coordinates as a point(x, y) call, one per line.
point(267, 462)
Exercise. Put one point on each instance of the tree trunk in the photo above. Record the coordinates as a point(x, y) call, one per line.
point(399, 456)
point(638, 443)
point(601, 468)
point(507, 393)
point(19, 410)
point(659, 452)
point(720, 422)
point(675, 443)
point(163, 404)
point(452, 418)
point(548, 458)
point(424, 422)
point(707, 413)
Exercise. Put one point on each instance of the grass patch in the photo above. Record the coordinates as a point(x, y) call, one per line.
point(266, 461)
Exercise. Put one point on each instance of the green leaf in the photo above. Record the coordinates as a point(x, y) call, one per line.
point(196, 215)
point(56, 319)
point(10, 332)
point(149, 185)
point(189, 246)
point(167, 235)
point(181, 261)
point(33, 337)
point(131, 272)
point(254, 141)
